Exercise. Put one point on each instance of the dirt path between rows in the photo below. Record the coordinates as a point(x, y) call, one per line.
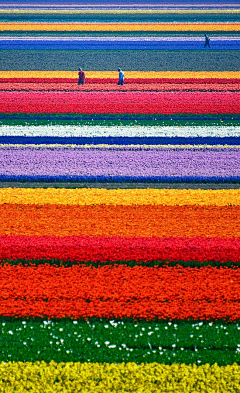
point(124, 185)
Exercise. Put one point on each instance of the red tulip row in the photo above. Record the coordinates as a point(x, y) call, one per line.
point(103, 249)
point(126, 82)
point(120, 291)
point(115, 102)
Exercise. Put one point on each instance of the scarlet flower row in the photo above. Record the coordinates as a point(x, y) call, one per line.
point(126, 82)
point(115, 102)
point(120, 291)
point(103, 249)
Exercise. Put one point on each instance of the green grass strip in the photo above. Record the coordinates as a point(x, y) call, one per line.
point(22, 119)
point(160, 264)
point(129, 60)
point(119, 341)
point(104, 17)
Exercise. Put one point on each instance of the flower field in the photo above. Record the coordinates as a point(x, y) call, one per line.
point(119, 205)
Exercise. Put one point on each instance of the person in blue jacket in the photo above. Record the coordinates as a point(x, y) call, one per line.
point(207, 41)
point(121, 77)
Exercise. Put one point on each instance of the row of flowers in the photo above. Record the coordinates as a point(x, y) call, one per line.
point(35, 82)
point(121, 134)
point(120, 283)
point(28, 26)
point(115, 43)
point(92, 85)
point(112, 102)
point(101, 76)
point(103, 196)
point(112, 378)
point(120, 291)
point(118, 179)
point(119, 163)
point(120, 221)
point(77, 249)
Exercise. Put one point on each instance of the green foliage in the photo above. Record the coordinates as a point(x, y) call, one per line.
point(166, 263)
point(119, 341)
point(119, 120)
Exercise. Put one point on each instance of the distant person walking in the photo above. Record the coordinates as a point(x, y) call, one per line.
point(121, 77)
point(81, 77)
point(207, 41)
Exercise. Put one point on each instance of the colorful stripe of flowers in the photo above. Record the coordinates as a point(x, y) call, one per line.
point(107, 133)
point(94, 196)
point(119, 163)
point(120, 291)
point(119, 205)
point(111, 102)
point(108, 85)
point(96, 377)
point(119, 27)
point(120, 221)
point(105, 10)
point(115, 43)
point(131, 251)
point(112, 75)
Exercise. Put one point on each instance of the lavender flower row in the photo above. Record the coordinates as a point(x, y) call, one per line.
point(129, 163)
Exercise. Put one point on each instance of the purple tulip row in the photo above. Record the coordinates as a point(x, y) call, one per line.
point(21, 161)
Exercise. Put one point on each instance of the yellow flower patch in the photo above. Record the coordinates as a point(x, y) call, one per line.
point(122, 197)
point(114, 378)
point(119, 26)
point(129, 74)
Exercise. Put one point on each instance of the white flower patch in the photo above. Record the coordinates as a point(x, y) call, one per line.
point(116, 131)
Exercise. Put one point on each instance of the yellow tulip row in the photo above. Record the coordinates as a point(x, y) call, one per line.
point(119, 26)
point(123, 377)
point(105, 145)
point(130, 74)
point(119, 11)
point(122, 197)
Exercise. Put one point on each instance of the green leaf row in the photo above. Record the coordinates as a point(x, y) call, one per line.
point(104, 17)
point(118, 120)
point(119, 341)
point(160, 264)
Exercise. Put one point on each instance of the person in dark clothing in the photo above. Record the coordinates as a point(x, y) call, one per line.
point(207, 41)
point(121, 77)
point(81, 77)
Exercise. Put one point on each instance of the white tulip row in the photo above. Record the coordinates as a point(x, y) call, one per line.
point(117, 131)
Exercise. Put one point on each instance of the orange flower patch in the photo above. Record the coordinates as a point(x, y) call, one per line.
point(123, 221)
point(120, 291)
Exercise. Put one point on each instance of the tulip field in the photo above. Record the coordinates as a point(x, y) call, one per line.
point(119, 204)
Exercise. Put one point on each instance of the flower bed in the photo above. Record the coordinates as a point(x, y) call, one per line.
point(120, 221)
point(120, 289)
point(97, 377)
point(105, 85)
point(112, 102)
point(66, 250)
point(119, 163)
